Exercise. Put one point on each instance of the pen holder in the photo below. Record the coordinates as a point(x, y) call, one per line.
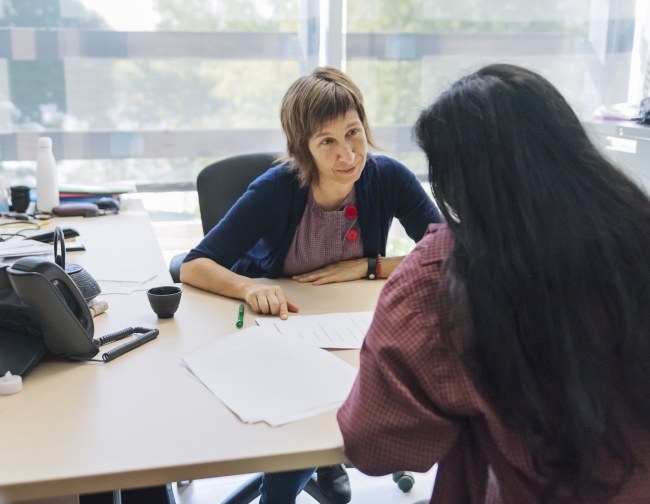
point(164, 301)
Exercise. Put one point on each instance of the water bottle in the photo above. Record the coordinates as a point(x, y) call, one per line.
point(47, 187)
point(4, 201)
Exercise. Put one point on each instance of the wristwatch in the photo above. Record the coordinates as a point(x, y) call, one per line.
point(372, 268)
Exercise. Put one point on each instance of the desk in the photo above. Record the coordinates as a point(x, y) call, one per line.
point(123, 243)
point(140, 420)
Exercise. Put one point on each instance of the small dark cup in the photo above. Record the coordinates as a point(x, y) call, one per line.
point(20, 198)
point(164, 301)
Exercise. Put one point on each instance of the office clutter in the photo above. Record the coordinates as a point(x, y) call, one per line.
point(330, 330)
point(65, 200)
point(22, 248)
point(97, 307)
point(20, 198)
point(625, 112)
point(76, 209)
point(82, 193)
point(10, 384)
point(103, 206)
point(617, 112)
point(48, 236)
point(47, 184)
point(263, 376)
point(4, 200)
point(644, 112)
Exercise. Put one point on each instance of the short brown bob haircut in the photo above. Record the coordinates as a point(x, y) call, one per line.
point(311, 102)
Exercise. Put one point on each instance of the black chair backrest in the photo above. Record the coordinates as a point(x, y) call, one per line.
point(221, 184)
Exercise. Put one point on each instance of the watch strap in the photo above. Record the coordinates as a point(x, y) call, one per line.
point(372, 268)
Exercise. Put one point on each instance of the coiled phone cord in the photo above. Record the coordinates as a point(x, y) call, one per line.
point(145, 336)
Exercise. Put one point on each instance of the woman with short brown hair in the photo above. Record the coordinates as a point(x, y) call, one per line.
point(322, 216)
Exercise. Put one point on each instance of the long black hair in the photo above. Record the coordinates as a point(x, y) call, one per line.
point(552, 255)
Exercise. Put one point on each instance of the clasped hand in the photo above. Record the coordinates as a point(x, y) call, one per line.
point(343, 271)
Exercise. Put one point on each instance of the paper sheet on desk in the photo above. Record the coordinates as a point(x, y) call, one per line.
point(262, 376)
point(331, 330)
point(117, 286)
point(20, 248)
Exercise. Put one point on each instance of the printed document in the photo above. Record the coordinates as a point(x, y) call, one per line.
point(332, 330)
point(21, 248)
point(262, 376)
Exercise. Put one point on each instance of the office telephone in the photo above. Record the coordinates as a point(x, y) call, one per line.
point(41, 310)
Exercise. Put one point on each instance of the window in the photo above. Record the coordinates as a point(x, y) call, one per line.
point(153, 90)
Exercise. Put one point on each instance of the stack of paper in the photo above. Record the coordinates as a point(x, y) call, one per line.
point(20, 248)
point(265, 377)
point(332, 330)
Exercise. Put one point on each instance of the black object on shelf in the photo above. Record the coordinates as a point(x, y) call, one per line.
point(644, 112)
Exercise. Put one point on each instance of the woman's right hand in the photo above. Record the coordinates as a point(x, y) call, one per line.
point(269, 299)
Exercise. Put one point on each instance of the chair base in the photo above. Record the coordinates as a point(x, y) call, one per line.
point(250, 490)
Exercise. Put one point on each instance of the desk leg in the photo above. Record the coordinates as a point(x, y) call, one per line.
point(117, 496)
point(68, 499)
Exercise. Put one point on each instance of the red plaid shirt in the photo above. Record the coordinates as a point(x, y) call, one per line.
point(414, 403)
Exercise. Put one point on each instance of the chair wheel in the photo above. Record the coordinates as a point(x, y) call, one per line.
point(405, 481)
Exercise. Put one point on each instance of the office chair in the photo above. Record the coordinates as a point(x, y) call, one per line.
point(219, 186)
point(250, 490)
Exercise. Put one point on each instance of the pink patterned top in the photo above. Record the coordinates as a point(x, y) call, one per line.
point(324, 238)
point(415, 404)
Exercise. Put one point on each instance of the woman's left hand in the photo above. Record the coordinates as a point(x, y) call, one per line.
point(343, 271)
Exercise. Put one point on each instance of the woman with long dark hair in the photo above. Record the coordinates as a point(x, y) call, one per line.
point(512, 346)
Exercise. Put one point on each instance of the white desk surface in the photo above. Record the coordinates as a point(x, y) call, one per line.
point(140, 420)
point(125, 244)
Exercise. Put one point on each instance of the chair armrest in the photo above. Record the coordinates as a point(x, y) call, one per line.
point(175, 266)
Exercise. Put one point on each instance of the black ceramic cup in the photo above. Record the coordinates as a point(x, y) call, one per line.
point(20, 198)
point(164, 301)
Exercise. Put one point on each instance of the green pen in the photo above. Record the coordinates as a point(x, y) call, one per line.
point(240, 317)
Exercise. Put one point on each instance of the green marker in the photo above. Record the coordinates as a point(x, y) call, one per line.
point(240, 317)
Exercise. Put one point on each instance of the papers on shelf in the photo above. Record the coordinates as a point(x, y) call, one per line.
point(332, 330)
point(109, 188)
point(617, 112)
point(262, 376)
point(19, 248)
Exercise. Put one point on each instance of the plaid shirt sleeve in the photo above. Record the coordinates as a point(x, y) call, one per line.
point(390, 421)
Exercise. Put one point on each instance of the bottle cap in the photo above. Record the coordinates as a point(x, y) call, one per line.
point(45, 142)
point(10, 384)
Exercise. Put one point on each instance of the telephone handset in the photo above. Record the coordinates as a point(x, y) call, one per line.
point(41, 309)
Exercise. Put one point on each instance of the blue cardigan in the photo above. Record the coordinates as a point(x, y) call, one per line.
point(255, 235)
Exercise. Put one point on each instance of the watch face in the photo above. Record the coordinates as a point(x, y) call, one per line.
point(371, 276)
